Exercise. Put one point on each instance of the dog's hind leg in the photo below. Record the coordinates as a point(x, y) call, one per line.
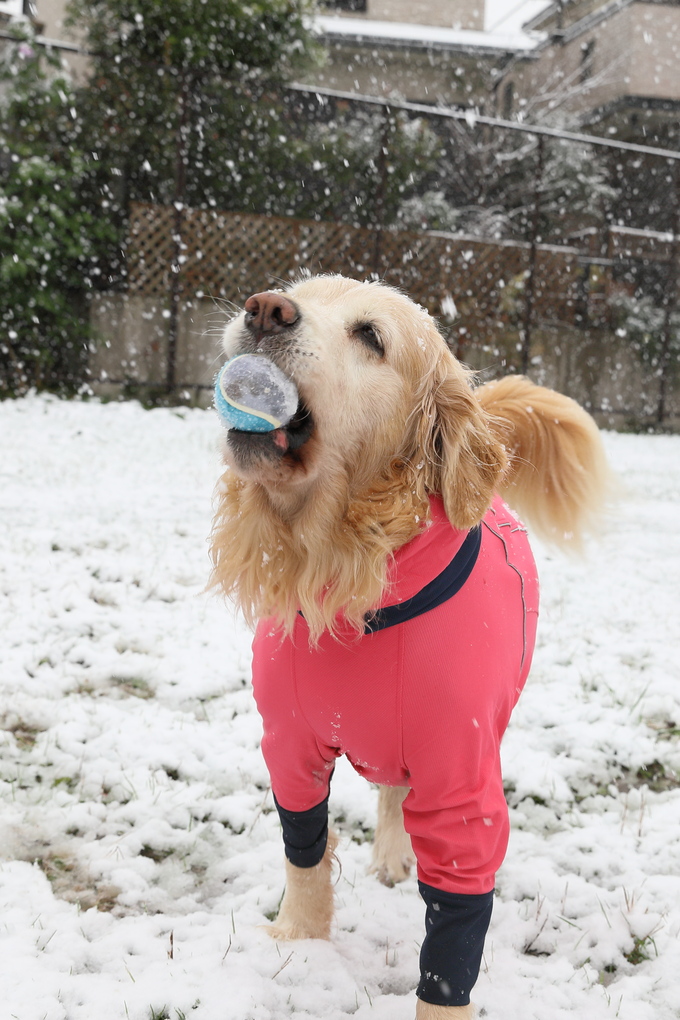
point(307, 907)
point(392, 852)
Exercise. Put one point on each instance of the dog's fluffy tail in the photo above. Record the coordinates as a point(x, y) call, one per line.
point(557, 476)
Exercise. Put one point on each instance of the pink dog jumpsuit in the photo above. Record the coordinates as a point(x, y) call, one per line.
point(422, 700)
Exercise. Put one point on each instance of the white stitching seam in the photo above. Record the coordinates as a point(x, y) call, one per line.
point(497, 533)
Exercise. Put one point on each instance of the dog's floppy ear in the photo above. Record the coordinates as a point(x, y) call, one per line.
point(462, 457)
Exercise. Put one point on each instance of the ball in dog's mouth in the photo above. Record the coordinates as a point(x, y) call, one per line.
point(275, 445)
point(253, 394)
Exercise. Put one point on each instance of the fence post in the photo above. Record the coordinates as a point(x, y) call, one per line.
point(176, 264)
point(670, 302)
point(381, 167)
point(530, 285)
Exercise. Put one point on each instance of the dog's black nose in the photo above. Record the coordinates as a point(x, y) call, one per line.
point(270, 313)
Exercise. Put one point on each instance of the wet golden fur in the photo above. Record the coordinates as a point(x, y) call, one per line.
point(316, 531)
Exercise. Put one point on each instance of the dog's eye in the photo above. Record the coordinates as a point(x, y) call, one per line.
point(368, 336)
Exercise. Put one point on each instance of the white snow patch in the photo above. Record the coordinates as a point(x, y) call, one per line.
point(405, 32)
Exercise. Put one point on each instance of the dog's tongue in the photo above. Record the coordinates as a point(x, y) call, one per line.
point(280, 439)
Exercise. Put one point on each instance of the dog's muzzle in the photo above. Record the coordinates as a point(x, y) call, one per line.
point(248, 447)
point(270, 326)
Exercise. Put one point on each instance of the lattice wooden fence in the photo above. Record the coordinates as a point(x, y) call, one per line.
point(163, 333)
point(231, 255)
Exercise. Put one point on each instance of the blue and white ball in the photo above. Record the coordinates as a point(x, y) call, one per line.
point(252, 394)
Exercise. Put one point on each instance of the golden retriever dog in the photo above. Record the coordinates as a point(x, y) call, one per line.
point(395, 593)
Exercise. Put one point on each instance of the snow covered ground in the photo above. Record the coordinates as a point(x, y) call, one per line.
point(140, 850)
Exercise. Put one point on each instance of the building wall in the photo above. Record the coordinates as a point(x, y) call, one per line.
point(446, 77)
point(443, 13)
point(655, 50)
point(51, 14)
point(572, 11)
point(633, 52)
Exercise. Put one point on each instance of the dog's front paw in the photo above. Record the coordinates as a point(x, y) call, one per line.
point(302, 916)
point(428, 1011)
point(285, 928)
point(307, 905)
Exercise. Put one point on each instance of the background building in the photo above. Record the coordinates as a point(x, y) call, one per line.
point(615, 65)
point(446, 53)
point(49, 18)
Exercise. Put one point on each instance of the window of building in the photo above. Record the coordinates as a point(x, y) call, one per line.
point(346, 5)
point(587, 52)
point(508, 100)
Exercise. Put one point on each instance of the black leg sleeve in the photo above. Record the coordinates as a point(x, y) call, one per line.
point(451, 955)
point(305, 833)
